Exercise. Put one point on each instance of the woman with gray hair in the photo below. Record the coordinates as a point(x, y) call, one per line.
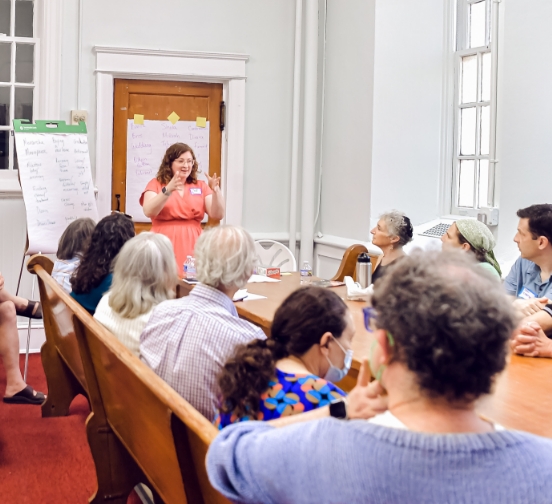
point(392, 232)
point(473, 236)
point(144, 274)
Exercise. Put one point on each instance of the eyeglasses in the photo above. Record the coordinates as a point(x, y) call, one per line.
point(369, 315)
point(188, 162)
point(121, 213)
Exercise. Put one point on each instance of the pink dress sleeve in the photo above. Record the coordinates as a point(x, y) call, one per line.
point(153, 185)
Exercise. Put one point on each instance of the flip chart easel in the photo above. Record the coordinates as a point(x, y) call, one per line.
point(56, 182)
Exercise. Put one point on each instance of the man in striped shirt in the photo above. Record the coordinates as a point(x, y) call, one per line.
point(187, 341)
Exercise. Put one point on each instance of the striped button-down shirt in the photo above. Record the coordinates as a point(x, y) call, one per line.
point(187, 341)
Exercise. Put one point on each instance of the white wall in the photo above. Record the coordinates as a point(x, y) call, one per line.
point(408, 77)
point(347, 140)
point(264, 30)
point(524, 114)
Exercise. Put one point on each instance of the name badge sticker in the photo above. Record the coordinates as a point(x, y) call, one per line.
point(195, 190)
point(525, 293)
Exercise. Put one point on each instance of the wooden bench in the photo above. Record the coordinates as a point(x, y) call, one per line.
point(347, 267)
point(60, 353)
point(149, 432)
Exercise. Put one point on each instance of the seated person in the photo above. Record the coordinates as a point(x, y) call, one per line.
point(430, 445)
point(473, 236)
point(17, 391)
point(392, 232)
point(530, 280)
point(93, 276)
point(188, 340)
point(72, 244)
point(310, 338)
point(144, 274)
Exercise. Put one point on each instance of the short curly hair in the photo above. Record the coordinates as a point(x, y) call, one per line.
point(398, 224)
point(165, 174)
point(450, 320)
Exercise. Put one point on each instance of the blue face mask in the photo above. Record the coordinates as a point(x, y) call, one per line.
point(334, 374)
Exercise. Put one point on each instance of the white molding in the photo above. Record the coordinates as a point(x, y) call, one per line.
point(49, 31)
point(226, 68)
point(38, 337)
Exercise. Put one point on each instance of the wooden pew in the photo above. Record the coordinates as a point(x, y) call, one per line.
point(60, 353)
point(347, 267)
point(150, 433)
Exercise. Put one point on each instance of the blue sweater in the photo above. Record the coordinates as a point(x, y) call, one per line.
point(333, 461)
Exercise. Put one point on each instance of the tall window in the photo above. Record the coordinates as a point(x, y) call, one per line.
point(475, 106)
point(18, 55)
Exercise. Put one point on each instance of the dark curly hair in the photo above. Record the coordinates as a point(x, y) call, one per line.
point(450, 321)
point(108, 237)
point(299, 323)
point(480, 254)
point(165, 174)
point(540, 220)
point(75, 239)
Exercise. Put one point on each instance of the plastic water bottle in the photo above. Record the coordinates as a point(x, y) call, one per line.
point(185, 266)
point(191, 270)
point(306, 273)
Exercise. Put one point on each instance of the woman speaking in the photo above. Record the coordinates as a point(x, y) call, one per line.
point(176, 200)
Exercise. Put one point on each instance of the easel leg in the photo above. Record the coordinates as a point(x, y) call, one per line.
point(29, 335)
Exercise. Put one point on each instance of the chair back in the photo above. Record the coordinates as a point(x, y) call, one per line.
point(165, 436)
point(273, 253)
point(60, 353)
point(348, 262)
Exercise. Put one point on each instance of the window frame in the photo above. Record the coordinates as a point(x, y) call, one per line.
point(459, 32)
point(11, 173)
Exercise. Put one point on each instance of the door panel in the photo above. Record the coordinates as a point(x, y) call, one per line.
point(155, 100)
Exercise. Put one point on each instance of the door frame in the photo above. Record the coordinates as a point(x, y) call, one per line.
point(148, 64)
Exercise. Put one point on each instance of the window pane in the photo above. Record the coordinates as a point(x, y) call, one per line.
point(477, 24)
point(4, 150)
point(5, 11)
point(23, 103)
point(24, 18)
point(469, 79)
point(4, 106)
point(5, 62)
point(486, 77)
point(467, 138)
point(485, 130)
point(465, 183)
point(483, 183)
point(24, 56)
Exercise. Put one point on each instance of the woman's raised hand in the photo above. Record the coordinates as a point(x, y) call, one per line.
point(214, 181)
point(176, 183)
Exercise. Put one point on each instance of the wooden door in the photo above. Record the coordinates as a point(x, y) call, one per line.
point(156, 100)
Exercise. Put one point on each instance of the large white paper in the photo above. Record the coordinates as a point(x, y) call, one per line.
point(56, 181)
point(146, 146)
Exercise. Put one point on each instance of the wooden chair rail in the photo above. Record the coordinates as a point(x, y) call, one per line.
point(348, 262)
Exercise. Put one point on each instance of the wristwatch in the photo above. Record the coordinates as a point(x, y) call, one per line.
point(338, 409)
point(165, 192)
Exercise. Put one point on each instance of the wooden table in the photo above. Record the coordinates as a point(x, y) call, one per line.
point(523, 396)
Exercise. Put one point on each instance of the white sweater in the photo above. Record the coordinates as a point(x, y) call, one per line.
point(126, 330)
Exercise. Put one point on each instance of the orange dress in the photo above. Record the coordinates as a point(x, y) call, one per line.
point(180, 219)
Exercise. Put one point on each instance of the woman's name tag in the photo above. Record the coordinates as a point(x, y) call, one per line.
point(195, 190)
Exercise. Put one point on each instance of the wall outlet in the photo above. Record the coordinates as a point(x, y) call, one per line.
point(78, 116)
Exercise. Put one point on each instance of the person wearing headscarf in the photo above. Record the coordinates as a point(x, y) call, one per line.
point(473, 236)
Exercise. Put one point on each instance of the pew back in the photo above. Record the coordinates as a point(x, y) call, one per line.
point(60, 353)
point(166, 437)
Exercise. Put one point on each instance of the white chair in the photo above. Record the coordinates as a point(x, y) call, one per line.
point(273, 253)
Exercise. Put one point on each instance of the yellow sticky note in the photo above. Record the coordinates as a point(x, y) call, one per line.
point(201, 122)
point(138, 119)
point(174, 117)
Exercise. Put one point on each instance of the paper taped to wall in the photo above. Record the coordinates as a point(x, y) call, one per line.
point(146, 146)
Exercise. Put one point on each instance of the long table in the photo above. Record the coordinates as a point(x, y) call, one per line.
point(523, 393)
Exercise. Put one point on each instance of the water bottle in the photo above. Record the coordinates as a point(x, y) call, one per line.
point(364, 270)
point(185, 267)
point(191, 270)
point(306, 273)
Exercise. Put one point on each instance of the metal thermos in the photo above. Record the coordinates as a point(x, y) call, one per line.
point(364, 270)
